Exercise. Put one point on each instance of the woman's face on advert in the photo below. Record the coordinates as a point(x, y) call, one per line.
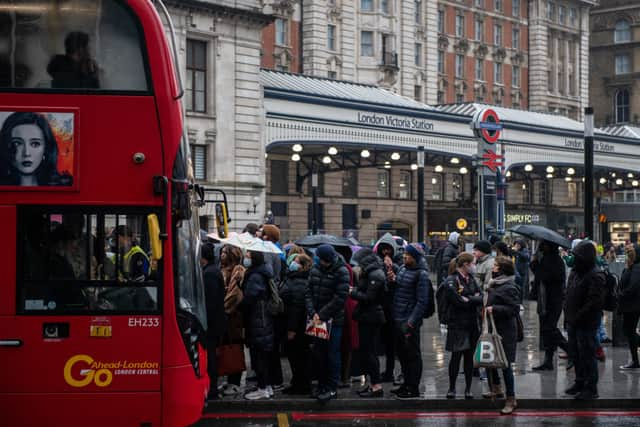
point(27, 148)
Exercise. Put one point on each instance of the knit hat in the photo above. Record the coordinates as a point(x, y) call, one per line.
point(453, 237)
point(415, 251)
point(272, 232)
point(483, 246)
point(326, 253)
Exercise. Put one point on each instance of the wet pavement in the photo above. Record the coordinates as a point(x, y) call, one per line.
point(614, 383)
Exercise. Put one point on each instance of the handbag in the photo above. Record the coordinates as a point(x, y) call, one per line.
point(489, 350)
point(321, 331)
point(230, 359)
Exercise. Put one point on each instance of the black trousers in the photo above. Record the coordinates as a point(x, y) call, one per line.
point(629, 325)
point(582, 349)
point(279, 337)
point(368, 351)
point(408, 348)
point(552, 338)
point(299, 355)
point(260, 361)
point(212, 366)
point(388, 338)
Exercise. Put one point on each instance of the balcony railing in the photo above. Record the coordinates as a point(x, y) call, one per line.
point(390, 59)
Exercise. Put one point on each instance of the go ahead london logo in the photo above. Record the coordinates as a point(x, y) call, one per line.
point(82, 370)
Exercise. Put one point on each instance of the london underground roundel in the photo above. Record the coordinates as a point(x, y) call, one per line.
point(489, 126)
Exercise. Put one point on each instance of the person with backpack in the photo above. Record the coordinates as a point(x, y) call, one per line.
point(409, 305)
point(369, 293)
point(463, 300)
point(629, 303)
point(503, 303)
point(583, 311)
point(445, 255)
point(258, 320)
point(325, 301)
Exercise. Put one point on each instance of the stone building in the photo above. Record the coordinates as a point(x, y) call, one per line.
point(615, 42)
point(219, 47)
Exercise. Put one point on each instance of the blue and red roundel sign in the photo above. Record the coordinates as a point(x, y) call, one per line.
point(488, 126)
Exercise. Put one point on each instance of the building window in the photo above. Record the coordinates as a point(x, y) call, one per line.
point(573, 16)
point(417, 93)
point(497, 35)
point(366, 5)
point(498, 5)
point(515, 76)
point(516, 8)
point(418, 54)
point(551, 11)
point(572, 193)
point(331, 37)
point(479, 29)
point(622, 106)
point(623, 64)
point(479, 69)
point(281, 32)
point(459, 25)
point(350, 183)
point(437, 188)
point(440, 97)
point(479, 3)
point(279, 177)
point(549, 81)
point(349, 217)
point(562, 11)
point(459, 98)
point(497, 72)
point(515, 38)
point(384, 7)
point(282, 67)
point(366, 43)
point(418, 11)
point(196, 87)
point(404, 190)
point(622, 32)
point(441, 61)
point(280, 209)
point(460, 66)
point(527, 193)
point(441, 21)
point(543, 192)
point(383, 184)
point(332, 75)
point(199, 161)
point(319, 219)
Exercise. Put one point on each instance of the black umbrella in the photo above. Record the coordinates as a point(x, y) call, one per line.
point(324, 239)
point(537, 232)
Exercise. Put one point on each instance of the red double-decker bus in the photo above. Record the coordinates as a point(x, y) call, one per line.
point(101, 299)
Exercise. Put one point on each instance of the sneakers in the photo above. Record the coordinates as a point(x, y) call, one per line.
point(587, 395)
point(408, 394)
point(270, 391)
point(327, 396)
point(230, 390)
point(261, 393)
point(451, 394)
point(370, 393)
point(630, 366)
point(277, 387)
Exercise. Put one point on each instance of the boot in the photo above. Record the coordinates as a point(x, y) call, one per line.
point(509, 406)
point(547, 364)
point(495, 393)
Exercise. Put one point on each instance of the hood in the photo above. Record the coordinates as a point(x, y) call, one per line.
point(453, 238)
point(584, 257)
point(370, 262)
point(388, 240)
point(265, 269)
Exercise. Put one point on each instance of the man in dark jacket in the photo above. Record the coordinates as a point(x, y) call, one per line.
point(583, 311)
point(409, 304)
point(549, 269)
point(629, 303)
point(216, 318)
point(325, 299)
point(449, 252)
point(387, 251)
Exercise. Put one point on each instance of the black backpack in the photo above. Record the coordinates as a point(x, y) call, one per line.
point(442, 305)
point(612, 290)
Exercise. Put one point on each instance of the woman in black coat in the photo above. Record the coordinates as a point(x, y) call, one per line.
point(297, 347)
point(629, 302)
point(370, 291)
point(503, 303)
point(463, 298)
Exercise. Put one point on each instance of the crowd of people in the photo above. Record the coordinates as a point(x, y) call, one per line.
point(365, 297)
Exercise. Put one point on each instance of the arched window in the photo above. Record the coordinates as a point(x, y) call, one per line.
point(622, 32)
point(622, 106)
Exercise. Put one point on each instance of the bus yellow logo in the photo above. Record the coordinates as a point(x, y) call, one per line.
point(101, 377)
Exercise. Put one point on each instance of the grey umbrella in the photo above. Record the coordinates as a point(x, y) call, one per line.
point(324, 239)
point(537, 232)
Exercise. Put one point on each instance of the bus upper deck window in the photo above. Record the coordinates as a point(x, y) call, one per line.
point(71, 45)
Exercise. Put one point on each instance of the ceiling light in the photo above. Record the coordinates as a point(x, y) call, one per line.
point(549, 175)
point(333, 151)
point(326, 160)
point(463, 170)
point(524, 186)
point(439, 168)
point(508, 174)
point(295, 157)
point(603, 180)
point(634, 182)
point(395, 156)
point(414, 167)
point(387, 166)
point(455, 160)
point(365, 153)
point(434, 181)
point(528, 168)
point(571, 171)
point(629, 175)
point(297, 148)
point(567, 178)
point(550, 169)
point(619, 181)
point(613, 174)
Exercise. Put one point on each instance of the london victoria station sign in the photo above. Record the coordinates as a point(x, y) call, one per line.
point(390, 120)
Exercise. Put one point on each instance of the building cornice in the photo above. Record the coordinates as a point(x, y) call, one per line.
point(253, 16)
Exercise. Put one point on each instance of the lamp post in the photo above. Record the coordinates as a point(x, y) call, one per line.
point(420, 194)
point(314, 202)
point(588, 172)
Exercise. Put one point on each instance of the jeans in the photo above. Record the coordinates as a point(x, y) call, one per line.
point(367, 352)
point(408, 348)
point(602, 331)
point(509, 380)
point(327, 359)
point(582, 350)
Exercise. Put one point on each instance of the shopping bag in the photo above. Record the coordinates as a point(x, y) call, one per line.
point(489, 350)
point(322, 330)
point(230, 359)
